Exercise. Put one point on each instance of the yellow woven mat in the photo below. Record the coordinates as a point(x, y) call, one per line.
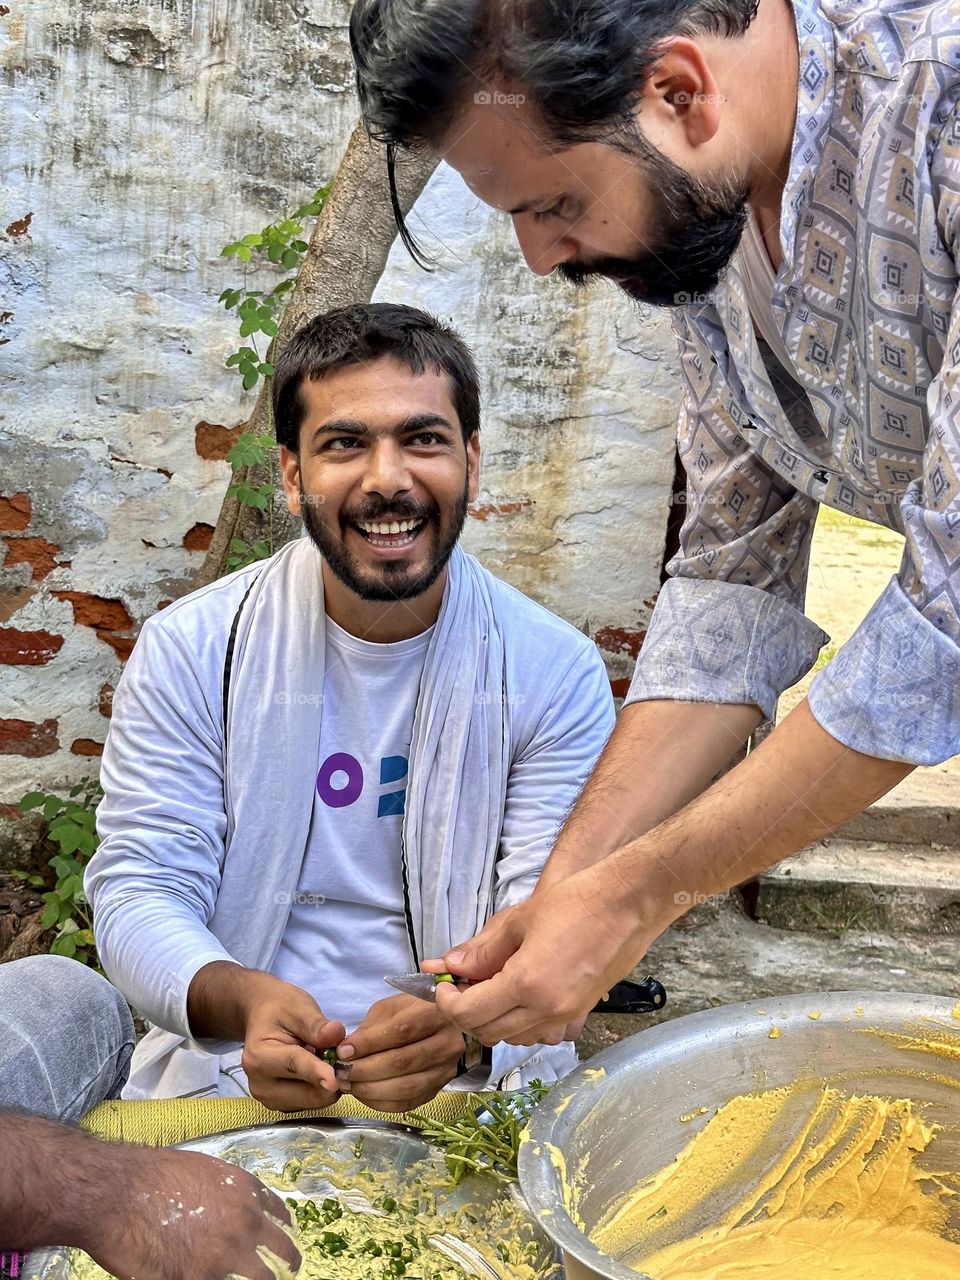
point(170, 1120)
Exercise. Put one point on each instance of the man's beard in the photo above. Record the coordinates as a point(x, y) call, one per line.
point(395, 580)
point(699, 226)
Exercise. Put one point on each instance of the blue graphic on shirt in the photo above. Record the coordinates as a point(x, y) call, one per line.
point(340, 782)
point(393, 768)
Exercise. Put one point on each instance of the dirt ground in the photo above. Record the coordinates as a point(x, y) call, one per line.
point(852, 562)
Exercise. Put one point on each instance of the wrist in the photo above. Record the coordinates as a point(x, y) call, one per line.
point(222, 996)
point(100, 1180)
point(641, 892)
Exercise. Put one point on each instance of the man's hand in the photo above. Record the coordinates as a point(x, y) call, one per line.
point(142, 1214)
point(568, 944)
point(286, 1034)
point(181, 1214)
point(403, 1053)
point(487, 953)
point(553, 957)
point(283, 1030)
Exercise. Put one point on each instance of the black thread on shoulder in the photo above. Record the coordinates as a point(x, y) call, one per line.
point(228, 661)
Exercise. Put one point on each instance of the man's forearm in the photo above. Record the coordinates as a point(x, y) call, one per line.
point(799, 785)
point(659, 757)
point(219, 999)
point(51, 1179)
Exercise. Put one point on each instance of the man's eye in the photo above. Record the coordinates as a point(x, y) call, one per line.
point(555, 211)
point(343, 442)
point(427, 437)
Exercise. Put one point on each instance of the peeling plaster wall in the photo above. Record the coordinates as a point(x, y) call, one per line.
point(137, 141)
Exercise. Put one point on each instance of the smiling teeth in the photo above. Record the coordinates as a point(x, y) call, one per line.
point(382, 530)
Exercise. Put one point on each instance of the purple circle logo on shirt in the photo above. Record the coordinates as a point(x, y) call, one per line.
point(344, 792)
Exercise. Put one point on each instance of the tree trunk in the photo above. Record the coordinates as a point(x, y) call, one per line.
point(347, 254)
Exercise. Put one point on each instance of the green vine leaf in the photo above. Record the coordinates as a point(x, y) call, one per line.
point(283, 245)
point(71, 835)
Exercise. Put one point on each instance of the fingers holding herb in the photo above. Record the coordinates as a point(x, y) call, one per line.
point(402, 1054)
point(287, 1038)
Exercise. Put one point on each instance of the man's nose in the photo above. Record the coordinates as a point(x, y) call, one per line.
point(541, 246)
point(387, 472)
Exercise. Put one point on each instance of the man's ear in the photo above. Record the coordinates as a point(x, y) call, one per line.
point(680, 92)
point(473, 467)
point(290, 471)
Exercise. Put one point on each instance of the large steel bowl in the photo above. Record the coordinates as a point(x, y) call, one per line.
point(616, 1120)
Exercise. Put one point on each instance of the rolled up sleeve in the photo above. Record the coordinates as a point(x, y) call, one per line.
point(729, 626)
point(893, 690)
point(723, 642)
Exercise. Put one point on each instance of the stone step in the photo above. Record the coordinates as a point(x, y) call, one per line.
point(717, 954)
point(923, 809)
point(840, 885)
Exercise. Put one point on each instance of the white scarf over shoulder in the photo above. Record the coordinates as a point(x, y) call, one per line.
point(459, 767)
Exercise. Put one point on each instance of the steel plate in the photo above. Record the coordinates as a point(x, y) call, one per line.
point(388, 1148)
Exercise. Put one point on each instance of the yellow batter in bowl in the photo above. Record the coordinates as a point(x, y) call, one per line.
point(798, 1184)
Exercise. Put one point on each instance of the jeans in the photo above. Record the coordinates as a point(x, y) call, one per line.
point(66, 1037)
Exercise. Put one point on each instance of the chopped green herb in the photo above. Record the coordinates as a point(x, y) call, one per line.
point(489, 1145)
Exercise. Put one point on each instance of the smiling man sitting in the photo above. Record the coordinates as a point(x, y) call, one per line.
point(340, 760)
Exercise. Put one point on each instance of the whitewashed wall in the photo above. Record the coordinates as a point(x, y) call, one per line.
point(138, 138)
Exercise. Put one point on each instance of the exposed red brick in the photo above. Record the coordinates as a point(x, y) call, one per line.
point(484, 510)
point(619, 688)
point(163, 604)
point(5, 318)
point(198, 538)
point(3, 10)
point(38, 553)
point(108, 617)
point(20, 227)
point(28, 648)
point(21, 738)
point(86, 747)
point(213, 442)
point(105, 700)
point(619, 640)
point(122, 646)
point(97, 611)
point(15, 512)
point(12, 601)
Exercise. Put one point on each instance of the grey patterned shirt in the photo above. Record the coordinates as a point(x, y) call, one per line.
point(865, 420)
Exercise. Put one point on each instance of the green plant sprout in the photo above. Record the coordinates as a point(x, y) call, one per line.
point(72, 832)
point(281, 243)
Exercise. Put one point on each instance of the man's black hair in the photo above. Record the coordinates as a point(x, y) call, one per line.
point(370, 331)
point(582, 63)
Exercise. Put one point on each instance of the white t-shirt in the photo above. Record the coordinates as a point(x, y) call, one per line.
point(347, 926)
